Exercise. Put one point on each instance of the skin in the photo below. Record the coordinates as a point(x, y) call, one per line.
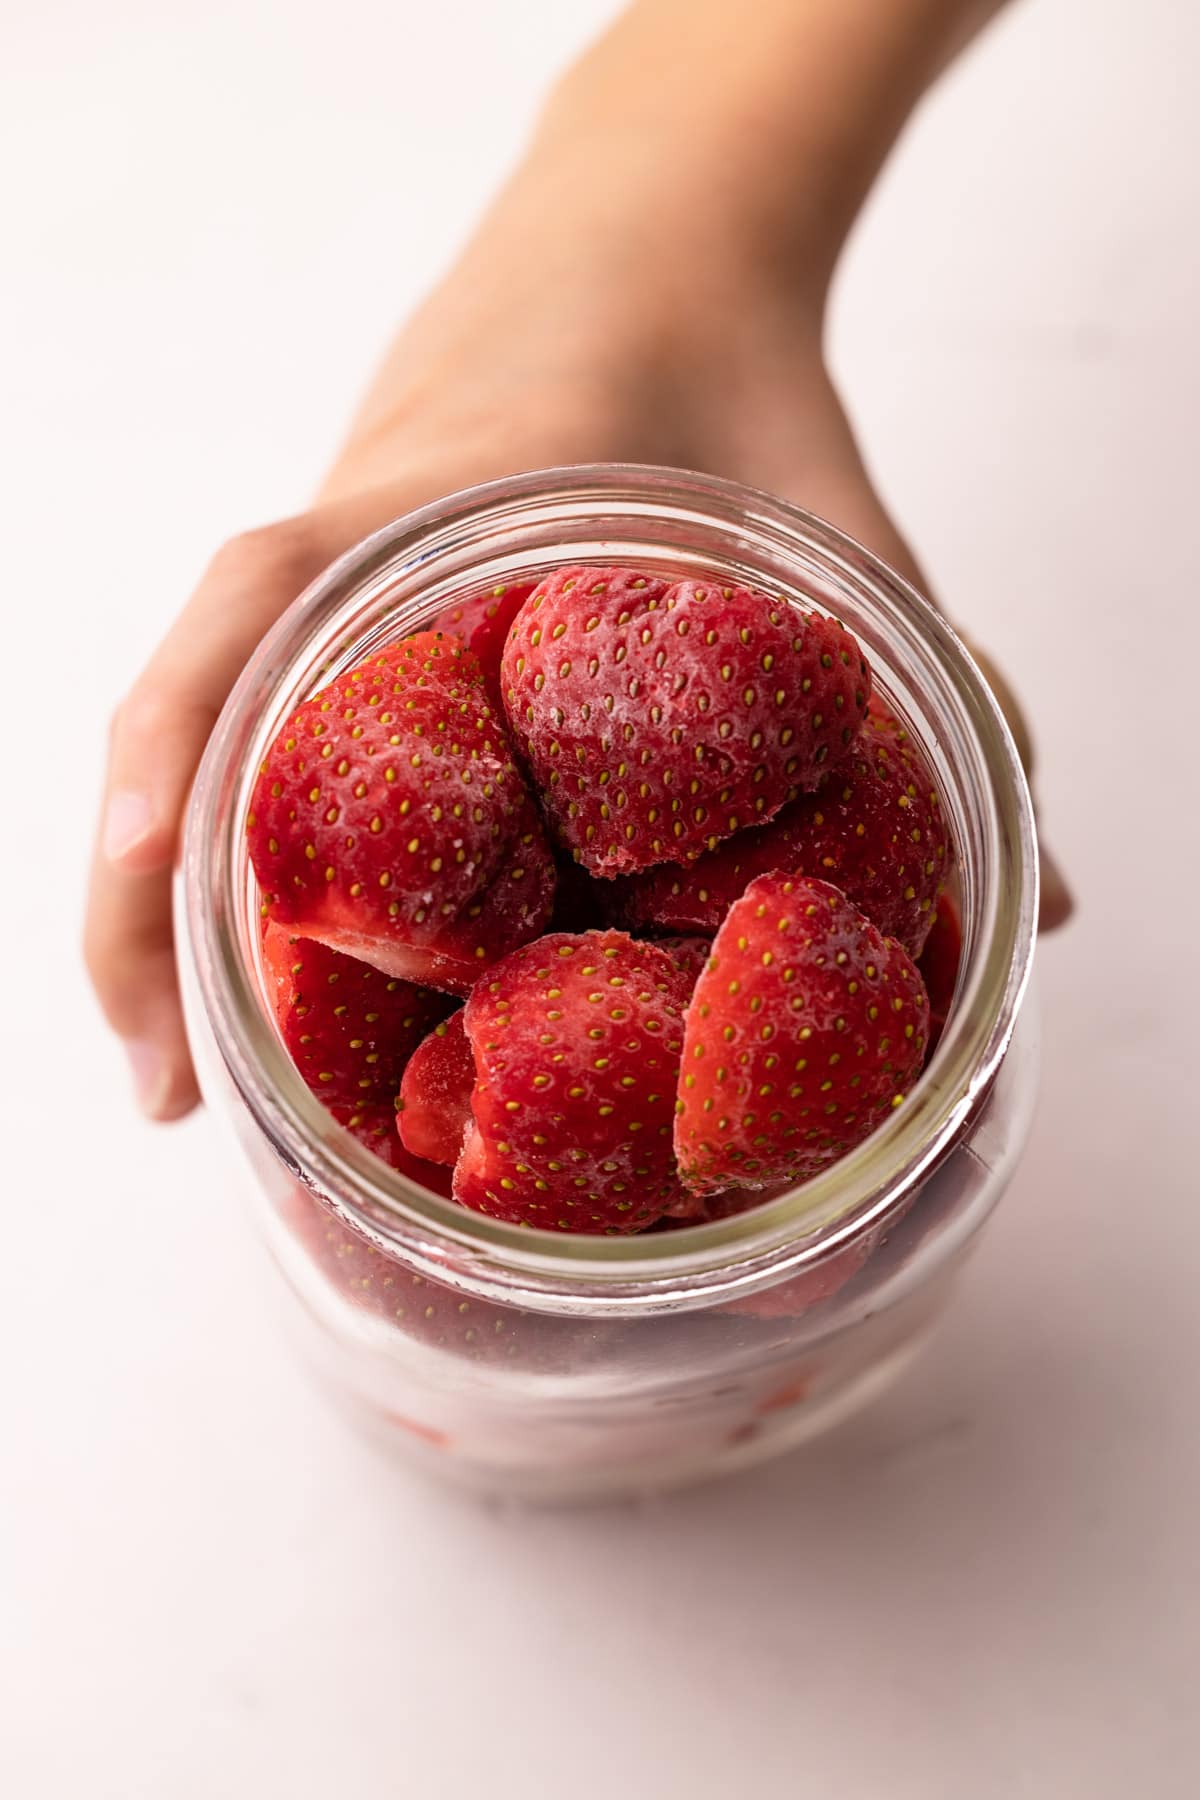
point(650, 286)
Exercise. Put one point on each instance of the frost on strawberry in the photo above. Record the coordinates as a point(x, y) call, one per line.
point(658, 718)
point(390, 822)
point(576, 1041)
point(514, 907)
point(874, 828)
point(805, 1031)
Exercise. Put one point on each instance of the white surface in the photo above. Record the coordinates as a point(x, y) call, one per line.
point(988, 1586)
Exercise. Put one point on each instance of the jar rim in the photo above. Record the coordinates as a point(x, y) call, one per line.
point(521, 1264)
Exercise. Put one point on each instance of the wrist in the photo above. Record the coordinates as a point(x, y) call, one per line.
point(751, 134)
point(695, 220)
point(701, 201)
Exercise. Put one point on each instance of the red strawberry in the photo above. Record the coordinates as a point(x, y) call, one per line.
point(788, 1299)
point(482, 621)
point(348, 1028)
point(805, 1030)
point(874, 828)
point(690, 954)
point(435, 1094)
point(658, 718)
point(375, 1126)
point(576, 1043)
point(514, 908)
point(939, 966)
point(431, 1313)
point(389, 808)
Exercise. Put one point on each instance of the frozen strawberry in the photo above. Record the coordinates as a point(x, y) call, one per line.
point(939, 966)
point(659, 718)
point(512, 909)
point(348, 1028)
point(787, 1299)
point(431, 1313)
point(874, 828)
point(690, 954)
point(435, 1094)
point(483, 622)
point(576, 1042)
point(389, 807)
point(375, 1126)
point(805, 1031)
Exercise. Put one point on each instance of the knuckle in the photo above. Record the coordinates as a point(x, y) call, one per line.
point(269, 553)
point(142, 716)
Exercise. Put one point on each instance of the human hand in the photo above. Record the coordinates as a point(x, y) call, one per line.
point(627, 318)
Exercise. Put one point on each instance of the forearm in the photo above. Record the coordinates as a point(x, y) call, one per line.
point(684, 200)
point(767, 121)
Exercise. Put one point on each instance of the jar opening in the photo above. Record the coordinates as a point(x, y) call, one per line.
point(396, 583)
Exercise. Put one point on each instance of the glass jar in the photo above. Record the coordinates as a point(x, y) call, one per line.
point(554, 1365)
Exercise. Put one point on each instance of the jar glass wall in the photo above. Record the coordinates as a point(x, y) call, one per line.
point(552, 1364)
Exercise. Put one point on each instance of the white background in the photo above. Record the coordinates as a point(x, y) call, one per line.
point(986, 1587)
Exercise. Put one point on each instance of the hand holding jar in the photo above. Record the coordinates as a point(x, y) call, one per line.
point(649, 287)
point(529, 1298)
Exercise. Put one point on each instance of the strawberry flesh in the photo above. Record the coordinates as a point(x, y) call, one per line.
point(804, 1032)
point(435, 1094)
point(375, 1126)
point(658, 718)
point(576, 1041)
point(482, 621)
point(874, 828)
point(389, 807)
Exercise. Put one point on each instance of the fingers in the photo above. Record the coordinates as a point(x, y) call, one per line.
point(158, 735)
point(131, 959)
point(163, 724)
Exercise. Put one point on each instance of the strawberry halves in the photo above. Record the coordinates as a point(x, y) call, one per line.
point(874, 828)
point(805, 1031)
point(389, 820)
point(658, 718)
point(576, 1043)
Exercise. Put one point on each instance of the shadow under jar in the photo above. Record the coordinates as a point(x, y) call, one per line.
point(554, 1365)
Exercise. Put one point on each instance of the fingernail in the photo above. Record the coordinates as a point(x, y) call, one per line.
point(127, 821)
point(151, 1077)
